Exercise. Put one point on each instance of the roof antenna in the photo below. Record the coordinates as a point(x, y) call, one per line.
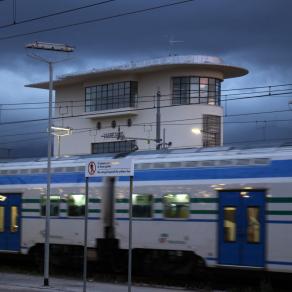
point(171, 43)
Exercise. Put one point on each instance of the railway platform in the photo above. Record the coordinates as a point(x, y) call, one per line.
point(31, 283)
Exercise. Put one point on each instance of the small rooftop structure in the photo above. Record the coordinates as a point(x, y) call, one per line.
point(189, 61)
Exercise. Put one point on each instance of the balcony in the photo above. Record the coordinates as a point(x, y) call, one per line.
point(119, 112)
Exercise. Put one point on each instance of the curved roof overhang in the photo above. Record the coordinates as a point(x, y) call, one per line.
point(203, 63)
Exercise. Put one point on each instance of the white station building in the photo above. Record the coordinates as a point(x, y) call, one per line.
point(112, 110)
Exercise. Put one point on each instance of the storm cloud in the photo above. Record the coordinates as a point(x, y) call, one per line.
point(254, 34)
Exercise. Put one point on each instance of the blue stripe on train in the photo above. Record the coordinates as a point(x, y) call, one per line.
point(280, 263)
point(277, 168)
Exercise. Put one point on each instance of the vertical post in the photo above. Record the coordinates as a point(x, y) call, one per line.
point(59, 145)
point(163, 140)
point(85, 236)
point(158, 120)
point(48, 201)
point(130, 235)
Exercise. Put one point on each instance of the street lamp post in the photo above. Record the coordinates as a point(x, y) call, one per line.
point(55, 48)
point(60, 132)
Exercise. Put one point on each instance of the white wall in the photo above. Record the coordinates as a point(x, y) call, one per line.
point(179, 133)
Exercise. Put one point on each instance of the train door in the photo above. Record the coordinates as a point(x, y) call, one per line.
point(242, 228)
point(10, 205)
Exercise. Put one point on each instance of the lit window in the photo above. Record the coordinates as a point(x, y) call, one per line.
point(55, 205)
point(253, 225)
point(230, 224)
point(76, 205)
point(196, 90)
point(142, 205)
point(176, 205)
point(2, 219)
point(14, 219)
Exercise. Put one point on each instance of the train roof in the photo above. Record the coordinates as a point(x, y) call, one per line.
point(182, 154)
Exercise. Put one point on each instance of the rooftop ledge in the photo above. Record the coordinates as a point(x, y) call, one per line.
point(188, 61)
point(121, 112)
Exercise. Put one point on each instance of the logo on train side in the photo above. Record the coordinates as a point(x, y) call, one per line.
point(91, 168)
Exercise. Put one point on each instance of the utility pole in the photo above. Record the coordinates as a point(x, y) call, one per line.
point(55, 48)
point(158, 121)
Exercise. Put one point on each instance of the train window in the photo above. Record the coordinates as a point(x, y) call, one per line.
point(176, 205)
point(253, 225)
point(142, 205)
point(14, 219)
point(55, 205)
point(76, 205)
point(2, 219)
point(230, 224)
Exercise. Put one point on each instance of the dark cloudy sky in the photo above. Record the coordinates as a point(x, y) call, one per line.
point(255, 34)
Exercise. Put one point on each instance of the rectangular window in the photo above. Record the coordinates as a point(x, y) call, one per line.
point(176, 205)
point(113, 147)
point(2, 216)
point(14, 219)
point(253, 225)
point(111, 96)
point(142, 205)
point(195, 90)
point(230, 224)
point(55, 205)
point(76, 205)
point(211, 131)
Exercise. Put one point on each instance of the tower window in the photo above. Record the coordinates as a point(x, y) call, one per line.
point(98, 125)
point(211, 131)
point(114, 124)
point(113, 147)
point(196, 90)
point(110, 96)
point(129, 122)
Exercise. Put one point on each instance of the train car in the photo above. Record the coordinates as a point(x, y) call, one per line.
point(191, 208)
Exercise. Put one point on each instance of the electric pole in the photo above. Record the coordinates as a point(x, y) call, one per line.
point(158, 121)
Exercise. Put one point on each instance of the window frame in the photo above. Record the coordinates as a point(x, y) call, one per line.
point(176, 218)
point(68, 206)
point(211, 132)
point(110, 96)
point(113, 146)
point(43, 207)
point(236, 210)
point(259, 224)
point(182, 94)
point(151, 206)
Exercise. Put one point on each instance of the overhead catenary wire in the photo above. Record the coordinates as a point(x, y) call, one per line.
point(165, 123)
point(257, 87)
point(138, 11)
point(163, 95)
point(282, 139)
point(132, 110)
point(50, 15)
point(65, 103)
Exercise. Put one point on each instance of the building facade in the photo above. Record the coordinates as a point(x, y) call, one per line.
point(118, 109)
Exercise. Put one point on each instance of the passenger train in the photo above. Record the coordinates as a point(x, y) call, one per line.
point(191, 208)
